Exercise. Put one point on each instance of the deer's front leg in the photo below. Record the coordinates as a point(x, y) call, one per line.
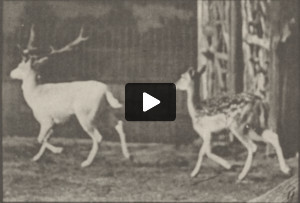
point(47, 145)
point(45, 132)
point(40, 153)
point(55, 150)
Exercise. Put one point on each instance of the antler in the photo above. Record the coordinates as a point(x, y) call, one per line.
point(68, 47)
point(71, 45)
point(31, 39)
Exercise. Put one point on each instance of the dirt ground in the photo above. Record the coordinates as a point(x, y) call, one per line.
point(158, 172)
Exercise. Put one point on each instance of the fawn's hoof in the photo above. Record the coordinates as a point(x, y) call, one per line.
point(234, 167)
point(131, 158)
point(287, 171)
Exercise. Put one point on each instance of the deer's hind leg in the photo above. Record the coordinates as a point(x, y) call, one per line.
point(86, 121)
point(120, 130)
point(248, 143)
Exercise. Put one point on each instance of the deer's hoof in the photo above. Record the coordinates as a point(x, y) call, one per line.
point(127, 156)
point(240, 181)
point(58, 150)
point(193, 174)
point(131, 157)
point(241, 177)
point(35, 158)
point(85, 164)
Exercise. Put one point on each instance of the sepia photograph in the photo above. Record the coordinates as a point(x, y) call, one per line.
point(150, 100)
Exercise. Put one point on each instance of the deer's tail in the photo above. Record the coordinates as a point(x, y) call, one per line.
point(113, 102)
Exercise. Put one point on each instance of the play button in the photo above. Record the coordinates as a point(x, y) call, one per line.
point(149, 102)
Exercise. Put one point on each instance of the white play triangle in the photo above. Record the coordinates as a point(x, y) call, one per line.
point(149, 102)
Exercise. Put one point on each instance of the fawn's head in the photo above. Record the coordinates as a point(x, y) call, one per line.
point(186, 81)
point(32, 60)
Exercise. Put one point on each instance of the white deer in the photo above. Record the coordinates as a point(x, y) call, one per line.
point(242, 114)
point(55, 103)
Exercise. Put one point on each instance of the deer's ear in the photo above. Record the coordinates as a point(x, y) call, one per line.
point(19, 48)
point(37, 62)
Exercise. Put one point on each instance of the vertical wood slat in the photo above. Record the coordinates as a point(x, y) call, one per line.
point(202, 19)
point(236, 67)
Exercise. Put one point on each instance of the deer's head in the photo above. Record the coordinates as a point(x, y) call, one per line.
point(186, 81)
point(22, 70)
point(31, 60)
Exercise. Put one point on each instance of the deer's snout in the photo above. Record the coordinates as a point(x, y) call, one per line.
point(12, 75)
point(15, 74)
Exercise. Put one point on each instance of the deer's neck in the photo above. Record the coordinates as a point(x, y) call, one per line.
point(29, 86)
point(190, 102)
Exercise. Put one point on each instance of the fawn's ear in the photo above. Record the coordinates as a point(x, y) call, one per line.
point(202, 70)
point(191, 71)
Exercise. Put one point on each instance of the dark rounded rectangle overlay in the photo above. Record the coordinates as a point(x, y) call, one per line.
point(165, 111)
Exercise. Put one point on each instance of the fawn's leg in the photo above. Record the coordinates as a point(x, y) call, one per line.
point(217, 158)
point(202, 152)
point(250, 146)
point(272, 138)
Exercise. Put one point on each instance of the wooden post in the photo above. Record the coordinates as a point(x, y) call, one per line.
point(202, 18)
point(287, 191)
point(284, 77)
point(236, 66)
